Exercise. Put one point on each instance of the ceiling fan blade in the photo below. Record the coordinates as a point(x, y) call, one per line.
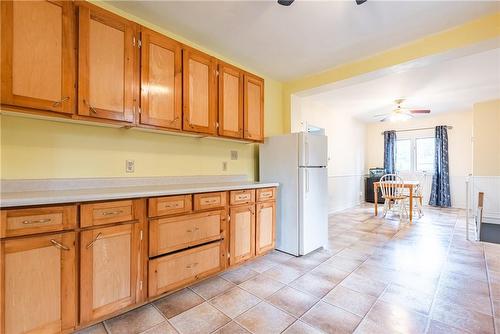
point(381, 115)
point(420, 111)
point(286, 2)
point(360, 2)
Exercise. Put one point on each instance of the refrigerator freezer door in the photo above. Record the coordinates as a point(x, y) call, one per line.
point(313, 150)
point(313, 209)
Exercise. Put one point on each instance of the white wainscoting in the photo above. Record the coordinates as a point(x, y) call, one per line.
point(345, 191)
point(490, 186)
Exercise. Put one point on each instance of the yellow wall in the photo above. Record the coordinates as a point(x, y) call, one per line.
point(487, 138)
point(470, 33)
point(32, 148)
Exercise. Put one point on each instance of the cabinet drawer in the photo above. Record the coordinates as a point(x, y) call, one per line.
point(37, 220)
point(266, 194)
point(173, 271)
point(210, 200)
point(106, 213)
point(162, 206)
point(242, 196)
point(169, 234)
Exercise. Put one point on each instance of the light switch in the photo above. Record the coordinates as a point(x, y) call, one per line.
point(224, 166)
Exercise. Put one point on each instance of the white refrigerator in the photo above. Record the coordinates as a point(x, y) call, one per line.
point(298, 161)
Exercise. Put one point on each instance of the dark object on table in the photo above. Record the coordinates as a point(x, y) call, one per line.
point(377, 172)
point(369, 196)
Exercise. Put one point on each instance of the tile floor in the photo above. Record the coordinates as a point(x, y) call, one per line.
point(377, 277)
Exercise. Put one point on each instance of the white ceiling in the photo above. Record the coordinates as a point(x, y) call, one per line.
point(452, 85)
point(307, 37)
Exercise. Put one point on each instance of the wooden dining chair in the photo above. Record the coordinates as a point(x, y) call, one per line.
point(393, 191)
point(479, 213)
point(418, 194)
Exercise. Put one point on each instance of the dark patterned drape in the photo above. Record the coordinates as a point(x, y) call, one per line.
point(390, 152)
point(440, 193)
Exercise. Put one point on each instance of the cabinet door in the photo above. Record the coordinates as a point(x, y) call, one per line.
point(161, 81)
point(242, 233)
point(38, 55)
point(230, 101)
point(38, 284)
point(265, 230)
point(105, 64)
point(199, 92)
point(108, 269)
point(254, 107)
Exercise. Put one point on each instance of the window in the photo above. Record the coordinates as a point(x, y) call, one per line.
point(424, 154)
point(403, 155)
point(415, 155)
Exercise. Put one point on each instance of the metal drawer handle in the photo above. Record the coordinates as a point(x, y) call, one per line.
point(172, 205)
point(59, 245)
point(246, 196)
point(98, 236)
point(266, 194)
point(189, 266)
point(212, 201)
point(110, 213)
point(37, 221)
point(193, 230)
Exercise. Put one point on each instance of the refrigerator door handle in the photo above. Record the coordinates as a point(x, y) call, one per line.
point(306, 148)
point(307, 180)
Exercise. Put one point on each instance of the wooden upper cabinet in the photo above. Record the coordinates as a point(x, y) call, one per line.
point(38, 55)
point(38, 284)
point(161, 81)
point(230, 101)
point(109, 269)
point(106, 64)
point(253, 107)
point(199, 92)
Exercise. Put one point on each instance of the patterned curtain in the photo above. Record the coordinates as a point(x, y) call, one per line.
point(440, 193)
point(390, 152)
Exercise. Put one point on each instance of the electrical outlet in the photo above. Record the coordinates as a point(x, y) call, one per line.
point(224, 166)
point(129, 166)
point(234, 155)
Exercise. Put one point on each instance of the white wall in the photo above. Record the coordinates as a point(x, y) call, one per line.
point(459, 147)
point(346, 150)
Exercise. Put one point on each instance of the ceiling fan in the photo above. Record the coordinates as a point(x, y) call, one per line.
point(401, 114)
point(289, 2)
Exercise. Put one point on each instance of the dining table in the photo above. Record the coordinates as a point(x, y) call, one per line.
point(410, 185)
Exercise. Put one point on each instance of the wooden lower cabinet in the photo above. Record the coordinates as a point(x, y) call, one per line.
point(170, 234)
point(109, 266)
point(170, 272)
point(265, 227)
point(38, 284)
point(241, 233)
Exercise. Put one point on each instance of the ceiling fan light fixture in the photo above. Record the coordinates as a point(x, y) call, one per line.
point(399, 117)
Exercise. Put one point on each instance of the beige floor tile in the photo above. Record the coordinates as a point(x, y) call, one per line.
point(234, 302)
point(410, 299)
point(497, 325)
point(343, 263)
point(135, 321)
point(462, 318)
point(278, 257)
point(265, 319)
point(496, 307)
point(369, 327)
point(283, 273)
point(212, 287)
point(178, 302)
point(239, 275)
point(292, 301)
point(350, 300)
point(201, 319)
point(464, 297)
point(299, 327)
point(312, 284)
point(364, 285)
point(396, 318)
point(260, 265)
point(261, 286)
point(231, 328)
point(330, 273)
point(436, 327)
point(163, 328)
point(331, 319)
point(96, 329)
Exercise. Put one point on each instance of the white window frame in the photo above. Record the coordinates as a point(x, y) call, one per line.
point(413, 154)
point(414, 166)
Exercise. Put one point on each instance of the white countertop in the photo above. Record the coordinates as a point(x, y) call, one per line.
point(84, 194)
